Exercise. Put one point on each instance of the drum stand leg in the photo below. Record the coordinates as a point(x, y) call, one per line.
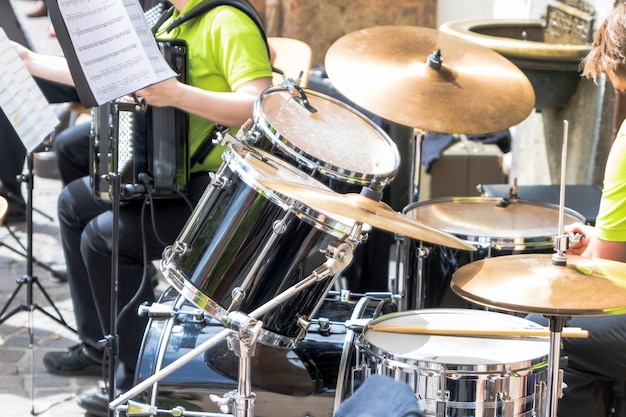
point(555, 379)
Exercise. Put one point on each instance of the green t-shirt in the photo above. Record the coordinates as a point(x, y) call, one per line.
point(611, 219)
point(225, 49)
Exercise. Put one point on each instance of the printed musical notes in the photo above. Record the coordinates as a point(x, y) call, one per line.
point(21, 99)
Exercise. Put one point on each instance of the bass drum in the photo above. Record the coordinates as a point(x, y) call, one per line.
point(523, 226)
point(299, 382)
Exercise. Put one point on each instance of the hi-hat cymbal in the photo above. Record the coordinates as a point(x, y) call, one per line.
point(533, 284)
point(384, 70)
point(364, 210)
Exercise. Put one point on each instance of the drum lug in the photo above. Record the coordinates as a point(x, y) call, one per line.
point(441, 409)
point(279, 227)
point(305, 323)
point(156, 310)
point(179, 249)
point(324, 326)
point(218, 181)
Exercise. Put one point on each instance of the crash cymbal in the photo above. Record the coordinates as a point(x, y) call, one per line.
point(531, 283)
point(365, 210)
point(385, 70)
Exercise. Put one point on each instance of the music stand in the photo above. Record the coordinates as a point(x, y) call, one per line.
point(29, 280)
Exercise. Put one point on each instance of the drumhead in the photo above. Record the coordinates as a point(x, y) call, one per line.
point(480, 220)
point(252, 164)
point(455, 353)
point(336, 140)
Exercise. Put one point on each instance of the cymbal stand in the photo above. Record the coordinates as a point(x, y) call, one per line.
point(561, 243)
point(29, 279)
point(339, 255)
point(555, 376)
point(402, 285)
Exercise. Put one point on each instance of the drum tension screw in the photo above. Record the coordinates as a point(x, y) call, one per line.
point(324, 326)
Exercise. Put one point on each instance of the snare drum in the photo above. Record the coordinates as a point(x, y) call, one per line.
point(244, 244)
point(523, 227)
point(456, 375)
point(335, 144)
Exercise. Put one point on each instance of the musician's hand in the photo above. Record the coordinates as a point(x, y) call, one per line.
point(160, 94)
point(586, 234)
point(22, 51)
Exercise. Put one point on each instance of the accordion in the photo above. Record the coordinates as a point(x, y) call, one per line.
point(147, 149)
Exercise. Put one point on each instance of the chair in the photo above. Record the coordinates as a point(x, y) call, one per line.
point(292, 56)
point(4, 207)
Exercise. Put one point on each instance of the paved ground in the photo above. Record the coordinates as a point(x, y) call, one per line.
point(25, 386)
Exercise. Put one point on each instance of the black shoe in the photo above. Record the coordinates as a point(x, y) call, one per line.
point(96, 403)
point(77, 360)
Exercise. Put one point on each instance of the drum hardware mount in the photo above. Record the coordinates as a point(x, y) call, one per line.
point(339, 255)
point(298, 94)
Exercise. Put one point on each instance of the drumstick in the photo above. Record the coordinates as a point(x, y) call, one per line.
point(573, 332)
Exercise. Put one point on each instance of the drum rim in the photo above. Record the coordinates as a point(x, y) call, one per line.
point(434, 366)
point(326, 222)
point(314, 163)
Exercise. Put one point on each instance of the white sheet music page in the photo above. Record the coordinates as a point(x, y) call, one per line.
point(112, 43)
point(21, 99)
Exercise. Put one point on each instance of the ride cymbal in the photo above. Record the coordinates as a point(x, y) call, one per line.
point(533, 284)
point(364, 210)
point(386, 70)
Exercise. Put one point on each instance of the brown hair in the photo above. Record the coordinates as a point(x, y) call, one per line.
point(608, 51)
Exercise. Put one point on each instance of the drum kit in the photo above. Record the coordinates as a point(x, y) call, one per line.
point(299, 189)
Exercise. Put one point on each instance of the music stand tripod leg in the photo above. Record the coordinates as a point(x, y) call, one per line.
point(29, 279)
point(36, 261)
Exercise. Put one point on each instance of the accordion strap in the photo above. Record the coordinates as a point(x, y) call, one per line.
point(207, 5)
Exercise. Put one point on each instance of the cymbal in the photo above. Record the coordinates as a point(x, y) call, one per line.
point(365, 210)
point(384, 70)
point(531, 283)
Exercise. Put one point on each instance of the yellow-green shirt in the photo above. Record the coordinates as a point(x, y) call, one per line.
point(221, 55)
point(611, 219)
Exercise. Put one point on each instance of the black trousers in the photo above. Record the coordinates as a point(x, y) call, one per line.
point(72, 152)
point(596, 368)
point(86, 224)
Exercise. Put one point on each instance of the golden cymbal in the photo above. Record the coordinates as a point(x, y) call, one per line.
point(364, 210)
point(533, 284)
point(385, 70)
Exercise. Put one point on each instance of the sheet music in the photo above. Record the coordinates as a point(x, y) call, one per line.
point(21, 99)
point(114, 46)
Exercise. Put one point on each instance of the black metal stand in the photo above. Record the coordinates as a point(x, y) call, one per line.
point(30, 281)
point(111, 341)
point(22, 250)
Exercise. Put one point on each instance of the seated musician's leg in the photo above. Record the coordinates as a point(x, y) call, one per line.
point(138, 244)
point(76, 208)
point(72, 152)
